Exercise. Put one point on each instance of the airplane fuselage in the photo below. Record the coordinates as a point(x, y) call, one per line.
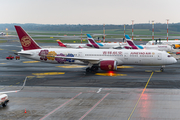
point(123, 57)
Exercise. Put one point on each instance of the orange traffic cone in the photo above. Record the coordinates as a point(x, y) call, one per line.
point(25, 111)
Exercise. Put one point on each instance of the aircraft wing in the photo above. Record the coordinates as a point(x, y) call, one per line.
point(15, 90)
point(23, 53)
point(117, 47)
point(84, 59)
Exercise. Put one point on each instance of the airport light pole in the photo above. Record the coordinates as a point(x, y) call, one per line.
point(153, 30)
point(6, 31)
point(132, 29)
point(167, 29)
point(104, 33)
point(81, 35)
point(124, 31)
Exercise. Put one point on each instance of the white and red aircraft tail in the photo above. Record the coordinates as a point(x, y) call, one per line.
point(26, 41)
point(61, 44)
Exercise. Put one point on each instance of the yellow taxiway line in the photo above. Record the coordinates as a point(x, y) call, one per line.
point(125, 67)
point(30, 61)
point(110, 74)
point(71, 66)
point(48, 73)
point(140, 96)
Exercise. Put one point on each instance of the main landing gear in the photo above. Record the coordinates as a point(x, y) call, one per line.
point(92, 69)
point(162, 68)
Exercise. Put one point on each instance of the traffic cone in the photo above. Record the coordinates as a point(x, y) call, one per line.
point(25, 111)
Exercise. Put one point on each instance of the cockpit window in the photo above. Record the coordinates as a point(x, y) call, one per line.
point(169, 55)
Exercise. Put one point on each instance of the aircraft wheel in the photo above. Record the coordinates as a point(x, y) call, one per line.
point(4, 104)
point(88, 70)
point(162, 69)
point(93, 68)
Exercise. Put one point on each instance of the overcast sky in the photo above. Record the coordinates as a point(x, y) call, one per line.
point(89, 11)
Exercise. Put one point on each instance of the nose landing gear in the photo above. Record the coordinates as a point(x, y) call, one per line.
point(162, 68)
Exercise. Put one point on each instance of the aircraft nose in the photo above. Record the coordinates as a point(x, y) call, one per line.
point(174, 60)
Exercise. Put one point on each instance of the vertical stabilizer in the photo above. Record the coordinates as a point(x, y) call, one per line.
point(92, 42)
point(60, 43)
point(26, 41)
point(131, 43)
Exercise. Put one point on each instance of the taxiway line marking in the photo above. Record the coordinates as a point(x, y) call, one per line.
point(99, 90)
point(140, 96)
point(94, 107)
point(60, 106)
point(48, 73)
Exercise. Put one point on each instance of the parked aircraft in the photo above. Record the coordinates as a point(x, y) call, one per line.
point(174, 43)
point(93, 44)
point(2, 33)
point(105, 59)
point(4, 97)
point(132, 45)
point(68, 45)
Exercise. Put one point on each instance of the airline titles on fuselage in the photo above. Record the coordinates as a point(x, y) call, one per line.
point(141, 54)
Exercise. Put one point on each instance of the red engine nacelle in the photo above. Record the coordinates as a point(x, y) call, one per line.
point(108, 65)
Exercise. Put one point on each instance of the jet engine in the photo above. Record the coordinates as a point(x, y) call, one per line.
point(176, 46)
point(108, 65)
point(3, 100)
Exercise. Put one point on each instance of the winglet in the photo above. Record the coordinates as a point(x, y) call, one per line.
point(127, 37)
point(26, 41)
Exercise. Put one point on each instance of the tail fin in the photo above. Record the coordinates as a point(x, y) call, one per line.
point(60, 43)
point(26, 41)
point(93, 42)
point(131, 43)
point(127, 37)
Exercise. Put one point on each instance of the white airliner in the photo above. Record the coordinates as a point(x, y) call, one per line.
point(4, 97)
point(68, 45)
point(2, 33)
point(105, 59)
point(132, 45)
point(174, 43)
point(93, 44)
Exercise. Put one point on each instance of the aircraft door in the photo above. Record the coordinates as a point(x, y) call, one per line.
point(125, 56)
point(80, 54)
point(159, 56)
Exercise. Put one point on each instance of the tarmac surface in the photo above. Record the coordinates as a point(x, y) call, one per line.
point(66, 92)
